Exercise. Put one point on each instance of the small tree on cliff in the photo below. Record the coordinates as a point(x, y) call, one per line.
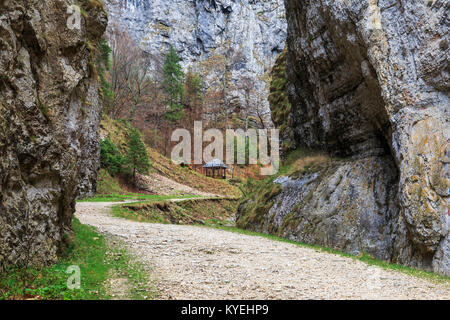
point(136, 160)
point(173, 78)
point(172, 84)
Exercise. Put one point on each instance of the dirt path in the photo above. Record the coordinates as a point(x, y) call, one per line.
point(200, 263)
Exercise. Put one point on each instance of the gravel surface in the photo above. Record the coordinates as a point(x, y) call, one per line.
point(201, 263)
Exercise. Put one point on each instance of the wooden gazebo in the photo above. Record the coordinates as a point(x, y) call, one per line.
point(216, 169)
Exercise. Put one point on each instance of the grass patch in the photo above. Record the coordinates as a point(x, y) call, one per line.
point(107, 184)
point(364, 257)
point(213, 211)
point(97, 260)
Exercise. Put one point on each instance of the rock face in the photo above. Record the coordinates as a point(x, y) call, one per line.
point(224, 40)
point(369, 81)
point(49, 111)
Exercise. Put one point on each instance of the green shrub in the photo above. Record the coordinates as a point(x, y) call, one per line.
point(110, 157)
point(137, 159)
point(107, 184)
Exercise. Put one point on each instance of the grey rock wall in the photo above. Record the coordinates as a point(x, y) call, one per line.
point(49, 112)
point(203, 32)
point(350, 206)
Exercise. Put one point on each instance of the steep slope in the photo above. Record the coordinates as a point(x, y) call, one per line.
point(226, 41)
point(48, 100)
point(163, 170)
point(369, 81)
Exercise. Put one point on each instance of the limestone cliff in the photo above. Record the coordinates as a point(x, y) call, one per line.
point(49, 112)
point(224, 40)
point(368, 82)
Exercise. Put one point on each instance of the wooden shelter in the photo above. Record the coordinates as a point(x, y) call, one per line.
point(216, 169)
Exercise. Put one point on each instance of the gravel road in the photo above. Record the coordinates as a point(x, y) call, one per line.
point(201, 263)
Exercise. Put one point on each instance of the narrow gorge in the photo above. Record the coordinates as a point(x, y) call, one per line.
point(92, 91)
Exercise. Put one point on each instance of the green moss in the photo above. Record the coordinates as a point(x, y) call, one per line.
point(83, 13)
point(97, 260)
point(290, 223)
point(279, 101)
point(44, 109)
point(257, 203)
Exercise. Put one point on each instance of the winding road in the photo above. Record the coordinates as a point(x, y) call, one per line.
point(190, 262)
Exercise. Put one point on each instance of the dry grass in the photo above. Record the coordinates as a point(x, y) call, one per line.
point(309, 163)
point(303, 161)
point(213, 212)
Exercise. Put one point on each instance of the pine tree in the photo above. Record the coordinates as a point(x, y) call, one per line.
point(136, 160)
point(103, 63)
point(173, 78)
point(110, 157)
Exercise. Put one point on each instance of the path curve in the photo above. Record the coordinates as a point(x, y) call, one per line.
point(201, 263)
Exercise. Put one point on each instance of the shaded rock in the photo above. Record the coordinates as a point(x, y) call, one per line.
point(49, 111)
point(349, 206)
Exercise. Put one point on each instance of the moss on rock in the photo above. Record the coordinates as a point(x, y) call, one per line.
point(279, 102)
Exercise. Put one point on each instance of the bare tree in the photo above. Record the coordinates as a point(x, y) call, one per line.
point(248, 87)
point(130, 75)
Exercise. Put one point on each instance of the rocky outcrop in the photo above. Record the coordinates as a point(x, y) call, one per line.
point(89, 159)
point(369, 81)
point(226, 41)
point(49, 111)
point(346, 205)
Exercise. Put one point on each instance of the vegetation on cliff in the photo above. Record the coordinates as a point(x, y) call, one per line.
point(279, 102)
point(259, 196)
